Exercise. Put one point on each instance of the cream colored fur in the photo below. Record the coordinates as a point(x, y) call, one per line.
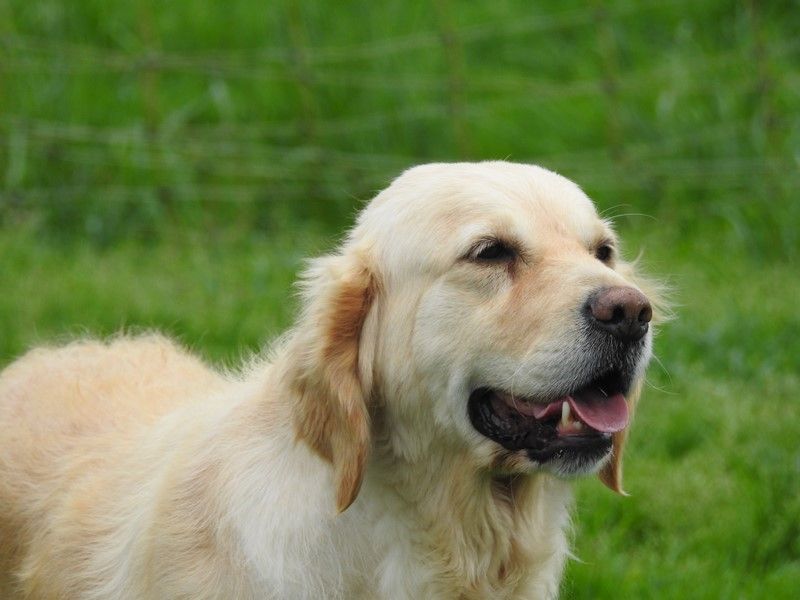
point(342, 465)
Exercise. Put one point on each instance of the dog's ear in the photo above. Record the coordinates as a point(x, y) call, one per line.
point(658, 294)
point(611, 473)
point(331, 413)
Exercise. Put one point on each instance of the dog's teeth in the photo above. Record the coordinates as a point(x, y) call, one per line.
point(577, 425)
point(565, 413)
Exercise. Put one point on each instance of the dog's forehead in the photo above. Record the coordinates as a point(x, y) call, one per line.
point(447, 204)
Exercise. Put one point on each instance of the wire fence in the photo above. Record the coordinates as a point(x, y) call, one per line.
point(86, 126)
point(85, 55)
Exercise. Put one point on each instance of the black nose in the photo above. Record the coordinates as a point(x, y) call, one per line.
point(624, 312)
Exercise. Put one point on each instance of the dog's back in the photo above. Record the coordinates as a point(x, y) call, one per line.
point(65, 413)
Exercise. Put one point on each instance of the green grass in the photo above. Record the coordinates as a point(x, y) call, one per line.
point(117, 120)
point(168, 165)
point(713, 464)
point(221, 295)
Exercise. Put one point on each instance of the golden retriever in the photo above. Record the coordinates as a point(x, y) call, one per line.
point(474, 343)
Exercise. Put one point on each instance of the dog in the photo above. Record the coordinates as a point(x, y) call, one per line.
point(474, 344)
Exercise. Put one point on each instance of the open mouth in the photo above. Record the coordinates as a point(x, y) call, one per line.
point(578, 425)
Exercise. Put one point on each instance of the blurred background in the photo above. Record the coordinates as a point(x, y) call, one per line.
point(170, 164)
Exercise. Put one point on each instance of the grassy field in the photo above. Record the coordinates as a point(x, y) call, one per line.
point(118, 119)
point(170, 167)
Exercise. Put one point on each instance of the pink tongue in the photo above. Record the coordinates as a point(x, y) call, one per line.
point(606, 414)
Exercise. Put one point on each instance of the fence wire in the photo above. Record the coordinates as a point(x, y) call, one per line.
point(351, 116)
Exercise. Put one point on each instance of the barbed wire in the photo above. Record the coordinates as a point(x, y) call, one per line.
point(320, 55)
point(248, 160)
point(731, 171)
point(493, 81)
point(207, 143)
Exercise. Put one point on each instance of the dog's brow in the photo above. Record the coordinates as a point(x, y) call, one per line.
point(488, 237)
point(606, 237)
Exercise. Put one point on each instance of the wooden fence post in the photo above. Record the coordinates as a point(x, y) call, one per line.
point(454, 59)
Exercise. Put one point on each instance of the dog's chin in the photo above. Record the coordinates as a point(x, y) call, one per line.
point(578, 463)
point(568, 435)
point(568, 465)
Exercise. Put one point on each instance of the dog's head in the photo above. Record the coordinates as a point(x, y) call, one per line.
point(483, 309)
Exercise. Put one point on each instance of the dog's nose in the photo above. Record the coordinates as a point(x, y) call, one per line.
point(624, 312)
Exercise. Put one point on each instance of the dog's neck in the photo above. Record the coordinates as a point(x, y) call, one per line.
point(431, 524)
point(487, 534)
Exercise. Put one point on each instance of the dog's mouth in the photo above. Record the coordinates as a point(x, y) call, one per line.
point(577, 425)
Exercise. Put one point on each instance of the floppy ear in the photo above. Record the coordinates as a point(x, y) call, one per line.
point(611, 473)
point(658, 294)
point(330, 413)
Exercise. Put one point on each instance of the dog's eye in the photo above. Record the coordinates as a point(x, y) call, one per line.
point(604, 253)
point(494, 251)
